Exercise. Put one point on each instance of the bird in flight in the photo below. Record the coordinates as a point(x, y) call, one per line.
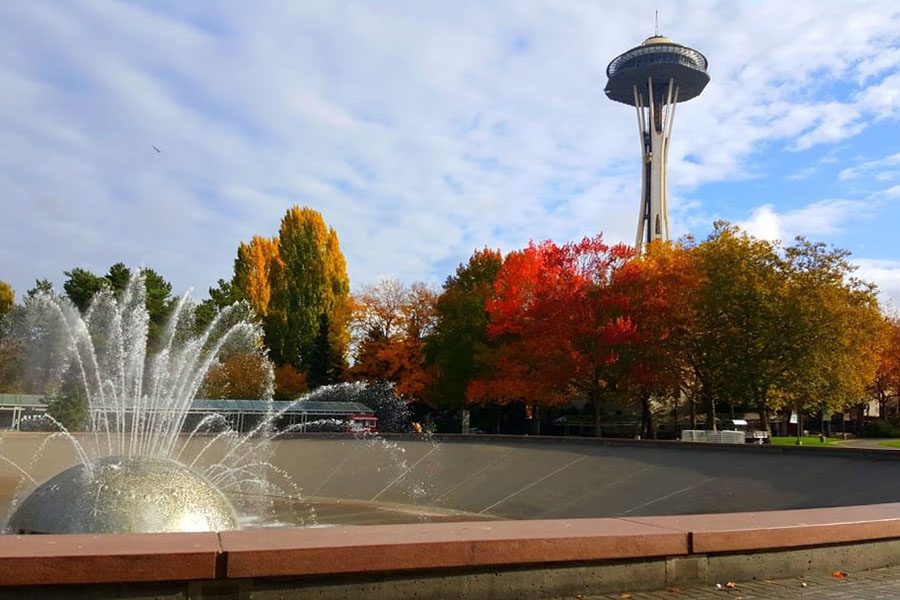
point(158, 151)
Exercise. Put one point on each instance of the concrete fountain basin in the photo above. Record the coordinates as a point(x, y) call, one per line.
point(577, 516)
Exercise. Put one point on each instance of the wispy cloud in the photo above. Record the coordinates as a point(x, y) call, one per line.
point(877, 167)
point(802, 174)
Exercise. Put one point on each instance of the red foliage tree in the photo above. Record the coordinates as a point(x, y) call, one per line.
point(555, 323)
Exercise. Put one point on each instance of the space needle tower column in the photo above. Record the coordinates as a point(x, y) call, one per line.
point(654, 77)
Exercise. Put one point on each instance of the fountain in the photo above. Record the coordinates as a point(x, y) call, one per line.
point(522, 500)
point(136, 472)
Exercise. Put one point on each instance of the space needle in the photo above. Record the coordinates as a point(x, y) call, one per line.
point(653, 78)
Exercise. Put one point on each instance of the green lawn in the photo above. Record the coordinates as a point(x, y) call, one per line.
point(891, 444)
point(808, 440)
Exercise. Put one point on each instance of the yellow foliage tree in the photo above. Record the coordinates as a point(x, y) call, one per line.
point(7, 297)
point(253, 269)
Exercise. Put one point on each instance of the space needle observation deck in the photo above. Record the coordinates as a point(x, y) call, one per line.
point(654, 77)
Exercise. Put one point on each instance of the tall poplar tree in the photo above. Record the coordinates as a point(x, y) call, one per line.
point(308, 311)
point(253, 269)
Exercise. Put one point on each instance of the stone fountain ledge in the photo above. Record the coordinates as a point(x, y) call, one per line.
point(541, 558)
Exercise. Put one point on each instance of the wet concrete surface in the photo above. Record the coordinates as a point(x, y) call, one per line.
point(387, 481)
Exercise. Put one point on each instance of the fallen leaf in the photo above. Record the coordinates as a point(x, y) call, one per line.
point(625, 596)
point(719, 586)
point(731, 585)
point(839, 574)
point(674, 590)
point(804, 584)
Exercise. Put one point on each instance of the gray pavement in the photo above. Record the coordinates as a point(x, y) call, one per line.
point(877, 584)
point(868, 443)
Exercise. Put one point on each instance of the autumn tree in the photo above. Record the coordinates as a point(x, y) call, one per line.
point(390, 321)
point(239, 376)
point(253, 272)
point(885, 386)
point(290, 383)
point(7, 298)
point(456, 349)
point(782, 327)
point(658, 289)
point(10, 354)
point(835, 327)
point(307, 311)
point(555, 323)
point(744, 337)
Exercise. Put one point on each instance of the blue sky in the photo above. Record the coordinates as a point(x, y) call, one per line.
point(425, 130)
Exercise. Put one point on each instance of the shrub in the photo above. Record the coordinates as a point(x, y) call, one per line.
point(880, 429)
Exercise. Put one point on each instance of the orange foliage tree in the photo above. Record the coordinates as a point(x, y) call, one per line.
point(886, 386)
point(390, 322)
point(239, 376)
point(659, 288)
point(555, 324)
point(290, 383)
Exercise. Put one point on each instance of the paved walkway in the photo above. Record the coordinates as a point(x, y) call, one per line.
point(877, 584)
point(868, 443)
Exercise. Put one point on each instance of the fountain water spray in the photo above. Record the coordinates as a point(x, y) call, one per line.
point(137, 472)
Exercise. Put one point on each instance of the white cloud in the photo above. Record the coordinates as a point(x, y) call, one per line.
point(886, 275)
point(420, 131)
point(821, 218)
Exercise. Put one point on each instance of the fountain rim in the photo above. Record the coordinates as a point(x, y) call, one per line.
point(427, 548)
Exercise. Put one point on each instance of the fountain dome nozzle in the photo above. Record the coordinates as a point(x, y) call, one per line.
point(121, 494)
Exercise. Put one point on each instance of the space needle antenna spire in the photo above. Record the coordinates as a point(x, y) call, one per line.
point(653, 78)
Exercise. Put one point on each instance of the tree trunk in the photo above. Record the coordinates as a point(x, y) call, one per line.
point(675, 431)
point(598, 415)
point(763, 415)
point(646, 424)
point(860, 419)
point(710, 411)
point(598, 401)
point(536, 420)
point(464, 416)
point(692, 404)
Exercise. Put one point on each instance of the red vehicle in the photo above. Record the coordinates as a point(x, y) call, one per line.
point(362, 423)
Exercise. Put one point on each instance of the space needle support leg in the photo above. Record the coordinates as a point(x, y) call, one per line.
point(667, 131)
point(642, 131)
point(656, 168)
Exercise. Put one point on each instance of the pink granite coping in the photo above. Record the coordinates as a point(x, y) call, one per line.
point(107, 558)
point(299, 552)
point(766, 530)
point(382, 548)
